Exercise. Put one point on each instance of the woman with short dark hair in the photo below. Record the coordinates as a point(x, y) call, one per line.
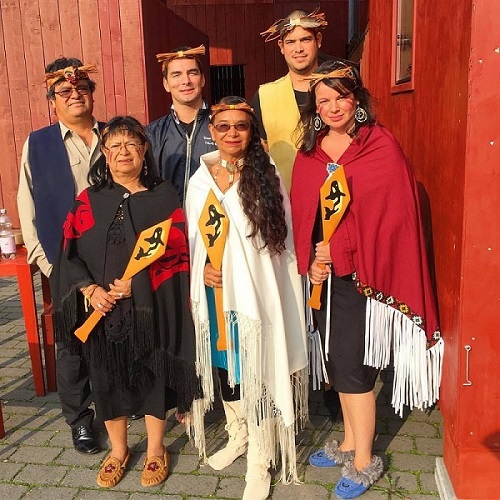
point(141, 353)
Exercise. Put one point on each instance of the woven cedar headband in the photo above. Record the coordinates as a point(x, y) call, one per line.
point(166, 57)
point(315, 78)
point(242, 106)
point(71, 74)
point(308, 21)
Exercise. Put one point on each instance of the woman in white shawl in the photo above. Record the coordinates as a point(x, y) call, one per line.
point(237, 199)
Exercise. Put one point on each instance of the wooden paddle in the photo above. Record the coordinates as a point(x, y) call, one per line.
point(214, 226)
point(150, 246)
point(334, 198)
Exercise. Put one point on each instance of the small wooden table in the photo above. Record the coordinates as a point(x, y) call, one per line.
point(20, 268)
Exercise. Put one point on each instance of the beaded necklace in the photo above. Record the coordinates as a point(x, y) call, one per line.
point(232, 168)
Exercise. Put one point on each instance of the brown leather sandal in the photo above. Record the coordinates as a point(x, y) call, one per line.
point(155, 470)
point(111, 471)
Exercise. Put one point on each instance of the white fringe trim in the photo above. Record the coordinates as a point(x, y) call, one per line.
point(328, 315)
point(274, 438)
point(203, 352)
point(260, 408)
point(231, 353)
point(417, 370)
point(195, 426)
point(276, 441)
point(195, 423)
point(300, 385)
point(317, 368)
point(286, 436)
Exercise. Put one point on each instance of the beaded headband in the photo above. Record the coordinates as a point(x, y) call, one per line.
point(242, 106)
point(315, 78)
point(71, 74)
point(314, 20)
point(166, 57)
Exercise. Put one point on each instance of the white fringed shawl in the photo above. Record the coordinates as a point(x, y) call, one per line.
point(265, 293)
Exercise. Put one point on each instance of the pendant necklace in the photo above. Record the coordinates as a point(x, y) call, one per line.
point(232, 168)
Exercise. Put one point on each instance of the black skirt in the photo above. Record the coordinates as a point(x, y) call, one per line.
point(345, 366)
point(116, 391)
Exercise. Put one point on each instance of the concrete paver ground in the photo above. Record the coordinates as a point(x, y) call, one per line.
point(39, 462)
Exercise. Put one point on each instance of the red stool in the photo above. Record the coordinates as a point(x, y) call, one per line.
point(20, 268)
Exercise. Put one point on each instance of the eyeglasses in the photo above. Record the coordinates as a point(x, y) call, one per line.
point(67, 92)
point(226, 127)
point(131, 147)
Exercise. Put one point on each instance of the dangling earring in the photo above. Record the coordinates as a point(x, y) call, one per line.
point(317, 123)
point(145, 167)
point(360, 115)
point(106, 170)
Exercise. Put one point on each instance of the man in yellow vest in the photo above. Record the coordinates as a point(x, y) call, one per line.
point(277, 103)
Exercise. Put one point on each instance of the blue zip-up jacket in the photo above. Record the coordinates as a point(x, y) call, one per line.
point(176, 153)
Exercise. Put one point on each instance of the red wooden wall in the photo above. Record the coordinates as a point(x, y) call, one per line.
point(472, 441)
point(233, 27)
point(34, 33)
point(109, 33)
point(122, 38)
point(444, 128)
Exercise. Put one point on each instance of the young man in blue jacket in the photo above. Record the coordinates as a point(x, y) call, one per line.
point(181, 137)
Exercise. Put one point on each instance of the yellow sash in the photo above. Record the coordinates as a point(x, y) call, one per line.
point(280, 116)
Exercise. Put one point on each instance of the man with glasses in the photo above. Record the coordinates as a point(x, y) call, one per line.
point(181, 137)
point(277, 103)
point(55, 162)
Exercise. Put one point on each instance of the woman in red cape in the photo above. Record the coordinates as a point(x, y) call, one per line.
point(374, 268)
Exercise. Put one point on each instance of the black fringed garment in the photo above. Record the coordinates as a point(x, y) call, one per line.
point(141, 356)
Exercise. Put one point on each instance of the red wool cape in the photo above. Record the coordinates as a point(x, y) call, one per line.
point(381, 240)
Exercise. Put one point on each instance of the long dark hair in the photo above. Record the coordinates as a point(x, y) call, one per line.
point(307, 134)
point(99, 176)
point(259, 189)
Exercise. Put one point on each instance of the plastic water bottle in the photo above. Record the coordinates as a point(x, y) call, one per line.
point(7, 241)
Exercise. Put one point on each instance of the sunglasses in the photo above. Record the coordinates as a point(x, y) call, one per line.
point(66, 93)
point(226, 127)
